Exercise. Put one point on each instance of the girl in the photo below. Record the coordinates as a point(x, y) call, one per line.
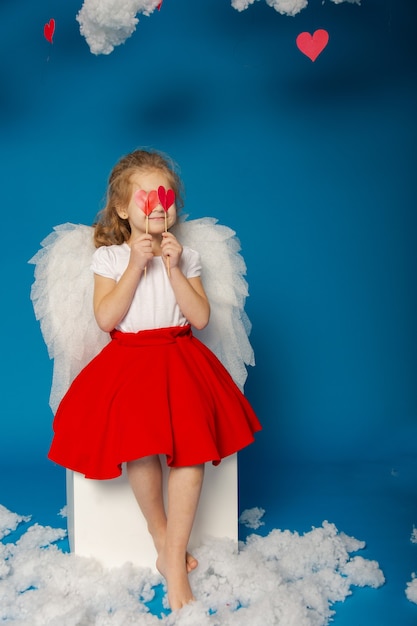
point(155, 389)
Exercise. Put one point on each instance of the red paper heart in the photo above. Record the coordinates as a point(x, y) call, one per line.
point(312, 45)
point(49, 29)
point(140, 199)
point(147, 202)
point(166, 198)
point(152, 201)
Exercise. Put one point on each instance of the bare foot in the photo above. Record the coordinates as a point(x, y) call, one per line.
point(159, 542)
point(190, 562)
point(174, 568)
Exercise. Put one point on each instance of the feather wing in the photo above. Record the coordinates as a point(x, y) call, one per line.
point(62, 296)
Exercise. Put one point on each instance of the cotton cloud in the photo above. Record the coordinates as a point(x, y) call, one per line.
point(108, 23)
point(411, 589)
point(285, 7)
point(283, 579)
point(251, 518)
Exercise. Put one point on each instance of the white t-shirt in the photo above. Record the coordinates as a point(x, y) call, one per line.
point(154, 304)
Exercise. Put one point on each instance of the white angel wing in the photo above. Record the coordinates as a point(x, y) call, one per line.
point(223, 277)
point(62, 296)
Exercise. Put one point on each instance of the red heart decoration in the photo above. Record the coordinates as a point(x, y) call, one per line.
point(147, 202)
point(140, 199)
point(312, 45)
point(152, 201)
point(166, 198)
point(49, 29)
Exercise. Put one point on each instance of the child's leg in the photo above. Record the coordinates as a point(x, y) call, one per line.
point(145, 477)
point(184, 488)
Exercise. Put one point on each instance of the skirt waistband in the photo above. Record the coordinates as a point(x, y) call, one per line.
point(157, 336)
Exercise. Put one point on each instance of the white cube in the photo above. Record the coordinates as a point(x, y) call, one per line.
point(105, 522)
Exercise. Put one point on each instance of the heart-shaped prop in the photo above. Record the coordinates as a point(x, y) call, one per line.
point(146, 201)
point(49, 29)
point(152, 201)
point(140, 199)
point(312, 45)
point(166, 198)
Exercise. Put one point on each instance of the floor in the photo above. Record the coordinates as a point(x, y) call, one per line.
point(376, 503)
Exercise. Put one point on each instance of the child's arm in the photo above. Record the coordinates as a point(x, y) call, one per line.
point(189, 292)
point(112, 299)
point(191, 298)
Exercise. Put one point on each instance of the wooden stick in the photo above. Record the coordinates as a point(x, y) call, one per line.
point(166, 230)
point(146, 230)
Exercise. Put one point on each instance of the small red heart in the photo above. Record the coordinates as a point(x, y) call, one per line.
point(140, 199)
point(166, 198)
point(170, 198)
point(49, 29)
point(312, 45)
point(152, 201)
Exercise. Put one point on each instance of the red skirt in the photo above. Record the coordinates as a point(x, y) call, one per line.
point(152, 392)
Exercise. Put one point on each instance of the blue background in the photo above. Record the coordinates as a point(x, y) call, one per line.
point(314, 166)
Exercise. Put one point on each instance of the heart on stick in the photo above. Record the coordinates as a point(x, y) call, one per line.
point(49, 29)
point(146, 201)
point(152, 201)
point(312, 45)
point(166, 198)
point(140, 199)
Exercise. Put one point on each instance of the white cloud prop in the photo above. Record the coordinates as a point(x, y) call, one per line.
point(285, 7)
point(108, 23)
point(251, 518)
point(411, 589)
point(283, 579)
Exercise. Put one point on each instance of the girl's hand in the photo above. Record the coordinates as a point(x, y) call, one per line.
point(171, 248)
point(141, 251)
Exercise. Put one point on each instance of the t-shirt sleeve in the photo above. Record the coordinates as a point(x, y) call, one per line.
point(192, 262)
point(103, 262)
